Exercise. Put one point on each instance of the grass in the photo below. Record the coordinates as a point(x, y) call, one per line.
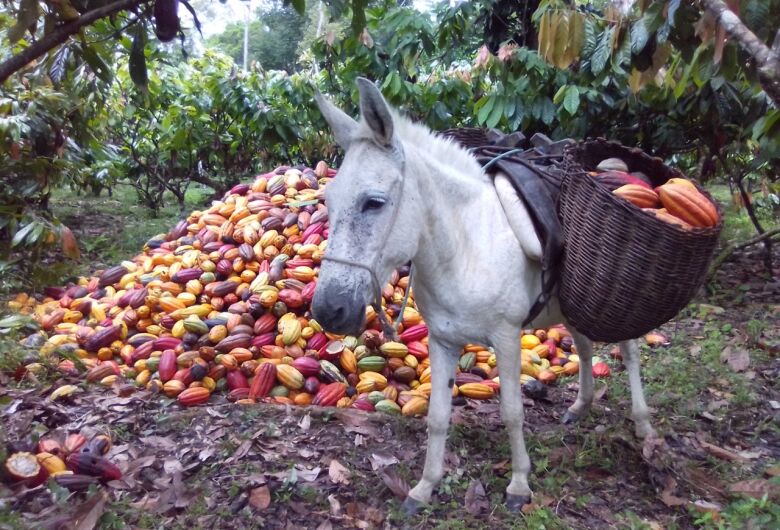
point(135, 223)
point(738, 225)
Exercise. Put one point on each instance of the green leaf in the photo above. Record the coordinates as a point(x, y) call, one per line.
point(22, 233)
point(137, 61)
point(682, 84)
point(602, 52)
point(495, 115)
point(558, 97)
point(485, 110)
point(571, 101)
point(98, 65)
point(15, 321)
point(639, 36)
point(299, 5)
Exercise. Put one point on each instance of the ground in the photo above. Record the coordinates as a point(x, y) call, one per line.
point(714, 391)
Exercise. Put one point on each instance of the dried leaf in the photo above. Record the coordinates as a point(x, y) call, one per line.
point(241, 452)
point(172, 466)
point(394, 482)
point(707, 507)
point(305, 423)
point(738, 360)
point(309, 475)
point(338, 473)
point(260, 498)
point(335, 506)
point(667, 495)
point(70, 246)
point(475, 498)
point(378, 461)
point(88, 514)
point(756, 488)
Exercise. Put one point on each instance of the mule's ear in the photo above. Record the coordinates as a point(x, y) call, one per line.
point(342, 125)
point(375, 111)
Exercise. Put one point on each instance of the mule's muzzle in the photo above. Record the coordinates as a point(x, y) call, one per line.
point(338, 312)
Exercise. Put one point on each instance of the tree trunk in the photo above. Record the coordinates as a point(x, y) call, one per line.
point(767, 60)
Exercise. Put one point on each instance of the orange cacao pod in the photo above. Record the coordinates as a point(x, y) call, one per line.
point(194, 396)
point(637, 195)
point(688, 204)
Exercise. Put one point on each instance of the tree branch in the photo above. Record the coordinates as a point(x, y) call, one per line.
point(60, 34)
point(767, 60)
point(733, 247)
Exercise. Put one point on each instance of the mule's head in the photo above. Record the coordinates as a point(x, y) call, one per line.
point(368, 221)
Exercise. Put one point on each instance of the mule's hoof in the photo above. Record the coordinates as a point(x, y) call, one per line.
point(411, 506)
point(515, 503)
point(643, 432)
point(570, 418)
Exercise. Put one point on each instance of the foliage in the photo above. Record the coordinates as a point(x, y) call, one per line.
point(273, 38)
point(207, 122)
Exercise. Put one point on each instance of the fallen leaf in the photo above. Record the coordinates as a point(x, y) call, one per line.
point(172, 466)
point(335, 506)
point(206, 453)
point(309, 475)
point(707, 507)
point(600, 393)
point(305, 423)
point(756, 488)
point(738, 360)
point(159, 442)
point(338, 473)
point(475, 498)
point(379, 461)
point(241, 452)
point(88, 514)
point(562, 455)
point(394, 482)
point(667, 495)
point(260, 498)
point(325, 525)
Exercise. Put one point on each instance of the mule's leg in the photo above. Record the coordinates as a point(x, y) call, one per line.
point(584, 399)
point(639, 411)
point(518, 493)
point(443, 360)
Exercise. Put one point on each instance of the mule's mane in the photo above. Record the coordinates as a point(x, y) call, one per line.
point(440, 149)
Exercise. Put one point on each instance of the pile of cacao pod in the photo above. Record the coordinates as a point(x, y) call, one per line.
point(73, 462)
point(677, 202)
point(219, 305)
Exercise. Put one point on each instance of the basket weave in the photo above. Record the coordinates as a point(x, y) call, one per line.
point(468, 137)
point(625, 272)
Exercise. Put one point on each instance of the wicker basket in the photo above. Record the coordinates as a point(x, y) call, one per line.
point(624, 271)
point(468, 137)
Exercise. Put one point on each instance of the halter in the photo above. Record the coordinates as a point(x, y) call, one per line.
point(389, 330)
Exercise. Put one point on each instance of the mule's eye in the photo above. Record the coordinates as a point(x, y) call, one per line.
point(372, 203)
